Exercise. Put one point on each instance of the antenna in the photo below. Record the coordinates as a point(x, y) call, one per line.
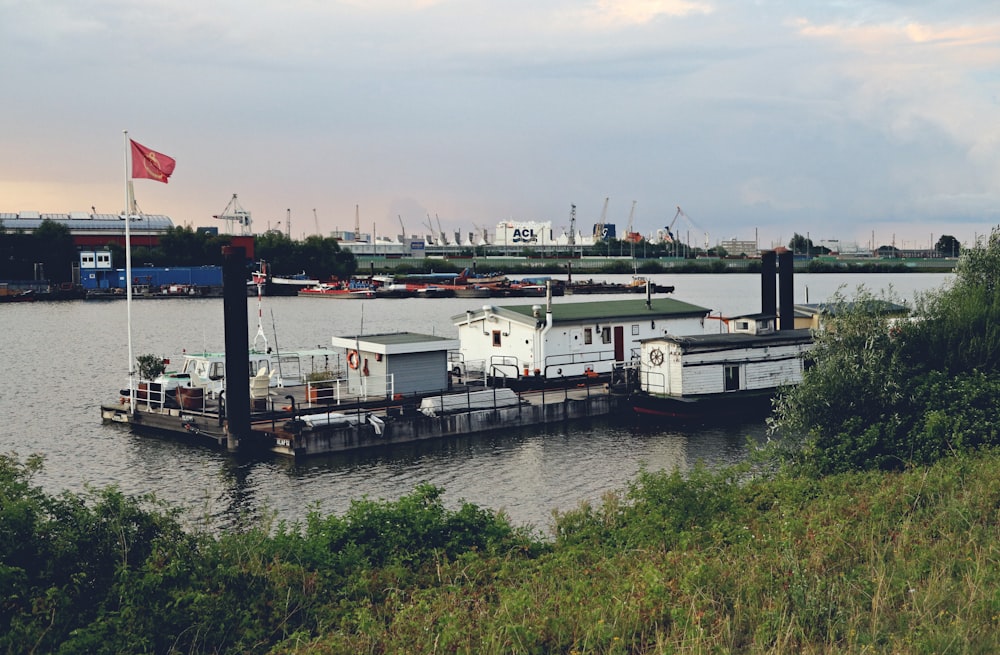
point(316, 221)
point(572, 225)
point(288, 224)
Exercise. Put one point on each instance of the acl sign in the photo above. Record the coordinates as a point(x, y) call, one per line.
point(524, 235)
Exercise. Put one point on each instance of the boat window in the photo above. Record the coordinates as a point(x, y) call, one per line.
point(496, 338)
point(218, 371)
point(588, 336)
point(605, 335)
point(732, 374)
point(635, 330)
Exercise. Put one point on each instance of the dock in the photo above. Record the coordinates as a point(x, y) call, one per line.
point(287, 424)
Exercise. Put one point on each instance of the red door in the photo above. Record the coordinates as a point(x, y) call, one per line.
point(619, 343)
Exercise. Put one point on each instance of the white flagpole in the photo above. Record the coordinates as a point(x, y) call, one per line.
point(128, 276)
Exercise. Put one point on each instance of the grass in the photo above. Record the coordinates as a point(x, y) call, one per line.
point(710, 562)
point(854, 563)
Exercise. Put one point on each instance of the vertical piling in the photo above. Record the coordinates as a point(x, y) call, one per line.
point(768, 279)
point(234, 291)
point(786, 290)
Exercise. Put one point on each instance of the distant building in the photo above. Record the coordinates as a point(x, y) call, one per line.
point(737, 248)
point(91, 230)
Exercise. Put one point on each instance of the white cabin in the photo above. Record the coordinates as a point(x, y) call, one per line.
point(742, 363)
point(566, 339)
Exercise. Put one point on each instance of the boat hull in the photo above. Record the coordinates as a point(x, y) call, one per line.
point(726, 406)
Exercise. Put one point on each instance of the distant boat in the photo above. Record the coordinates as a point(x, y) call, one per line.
point(334, 291)
point(281, 285)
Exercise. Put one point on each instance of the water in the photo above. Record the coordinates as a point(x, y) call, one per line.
point(63, 360)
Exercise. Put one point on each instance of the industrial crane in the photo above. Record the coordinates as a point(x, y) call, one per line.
point(444, 239)
point(631, 236)
point(599, 230)
point(671, 238)
point(234, 213)
point(670, 228)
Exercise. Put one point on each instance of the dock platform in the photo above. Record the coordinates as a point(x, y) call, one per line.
point(287, 424)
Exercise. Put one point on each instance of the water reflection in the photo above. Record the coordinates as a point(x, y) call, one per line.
point(525, 473)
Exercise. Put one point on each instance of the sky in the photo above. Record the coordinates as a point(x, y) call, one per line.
point(760, 119)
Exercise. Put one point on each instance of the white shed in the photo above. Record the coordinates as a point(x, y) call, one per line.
point(398, 362)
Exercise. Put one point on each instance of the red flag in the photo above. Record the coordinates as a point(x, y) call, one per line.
point(150, 164)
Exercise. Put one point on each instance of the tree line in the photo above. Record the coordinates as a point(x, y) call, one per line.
point(49, 253)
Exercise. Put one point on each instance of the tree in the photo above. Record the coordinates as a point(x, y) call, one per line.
point(800, 244)
point(948, 246)
point(884, 394)
point(52, 246)
point(320, 257)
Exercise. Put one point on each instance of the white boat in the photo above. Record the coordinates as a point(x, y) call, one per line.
point(280, 285)
point(285, 369)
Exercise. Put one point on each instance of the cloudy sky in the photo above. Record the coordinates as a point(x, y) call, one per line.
point(835, 119)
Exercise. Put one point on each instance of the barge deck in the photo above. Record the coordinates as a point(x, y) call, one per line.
point(288, 425)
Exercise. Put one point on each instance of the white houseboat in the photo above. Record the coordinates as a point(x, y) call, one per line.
point(534, 343)
point(713, 374)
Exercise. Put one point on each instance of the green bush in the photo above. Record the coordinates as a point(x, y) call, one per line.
point(885, 394)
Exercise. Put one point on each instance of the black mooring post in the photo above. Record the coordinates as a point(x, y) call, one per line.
point(768, 278)
point(234, 293)
point(786, 290)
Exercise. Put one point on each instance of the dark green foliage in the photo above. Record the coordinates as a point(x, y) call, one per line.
point(659, 509)
point(63, 560)
point(51, 245)
point(885, 394)
point(103, 573)
point(183, 246)
point(320, 257)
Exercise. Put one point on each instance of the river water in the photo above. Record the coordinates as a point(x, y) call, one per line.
point(63, 360)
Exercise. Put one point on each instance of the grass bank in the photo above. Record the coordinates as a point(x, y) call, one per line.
point(864, 562)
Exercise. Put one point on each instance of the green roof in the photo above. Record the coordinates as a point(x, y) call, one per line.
point(615, 309)
point(396, 338)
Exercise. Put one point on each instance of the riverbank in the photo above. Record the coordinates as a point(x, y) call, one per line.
point(671, 265)
point(703, 563)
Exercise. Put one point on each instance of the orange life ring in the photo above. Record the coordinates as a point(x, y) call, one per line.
point(353, 359)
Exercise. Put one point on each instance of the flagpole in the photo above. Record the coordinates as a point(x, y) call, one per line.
point(128, 278)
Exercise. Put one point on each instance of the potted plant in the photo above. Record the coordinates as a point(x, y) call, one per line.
point(320, 386)
point(150, 367)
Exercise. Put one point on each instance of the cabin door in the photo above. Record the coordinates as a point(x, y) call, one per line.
point(619, 343)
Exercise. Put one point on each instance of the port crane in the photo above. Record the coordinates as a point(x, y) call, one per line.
point(672, 238)
point(631, 236)
point(600, 232)
point(234, 213)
